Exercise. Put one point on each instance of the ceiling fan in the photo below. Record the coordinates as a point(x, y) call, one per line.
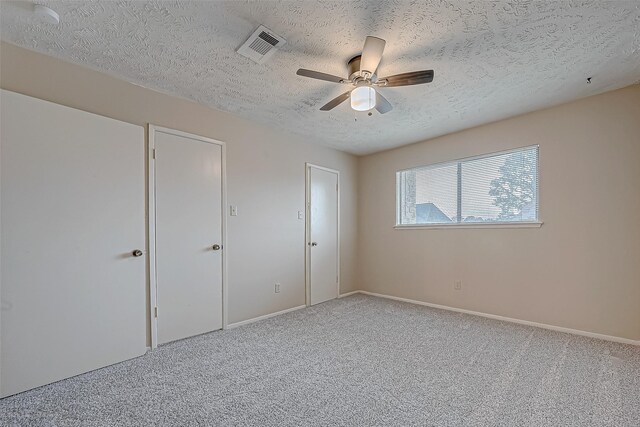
point(362, 75)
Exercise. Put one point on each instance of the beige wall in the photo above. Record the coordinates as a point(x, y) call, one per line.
point(580, 270)
point(265, 175)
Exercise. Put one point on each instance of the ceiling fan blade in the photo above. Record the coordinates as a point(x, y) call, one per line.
point(407, 79)
point(382, 105)
point(318, 75)
point(336, 101)
point(371, 54)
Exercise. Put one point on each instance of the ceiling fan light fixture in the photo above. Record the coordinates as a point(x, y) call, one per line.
point(363, 98)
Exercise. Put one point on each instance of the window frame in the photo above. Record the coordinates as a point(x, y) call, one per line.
point(491, 224)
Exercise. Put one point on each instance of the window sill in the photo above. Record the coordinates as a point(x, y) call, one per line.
point(535, 224)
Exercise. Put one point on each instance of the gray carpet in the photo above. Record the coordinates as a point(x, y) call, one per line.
point(357, 361)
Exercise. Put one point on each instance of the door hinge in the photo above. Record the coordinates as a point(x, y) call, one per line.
point(154, 153)
point(156, 311)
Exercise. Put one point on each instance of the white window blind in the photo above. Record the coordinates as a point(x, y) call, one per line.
point(495, 188)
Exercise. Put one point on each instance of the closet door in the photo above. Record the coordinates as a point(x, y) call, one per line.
point(323, 246)
point(72, 242)
point(189, 250)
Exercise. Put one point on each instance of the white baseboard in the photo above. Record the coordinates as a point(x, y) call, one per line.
point(266, 316)
point(348, 294)
point(507, 319)
point(277, 313)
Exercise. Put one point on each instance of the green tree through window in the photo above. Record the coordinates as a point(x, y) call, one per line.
point(515, 188)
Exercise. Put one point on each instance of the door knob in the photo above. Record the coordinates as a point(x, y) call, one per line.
point(136, 253)
point(314, 244)
point(216, 247)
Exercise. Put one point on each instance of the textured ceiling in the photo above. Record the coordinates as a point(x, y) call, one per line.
point(491, 59)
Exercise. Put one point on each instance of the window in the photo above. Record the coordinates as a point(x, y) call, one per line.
point(492, 189)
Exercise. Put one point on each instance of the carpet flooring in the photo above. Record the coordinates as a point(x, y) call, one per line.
point(356, 361)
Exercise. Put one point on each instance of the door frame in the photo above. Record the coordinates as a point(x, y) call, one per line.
point(307, 231)
point(151, 200)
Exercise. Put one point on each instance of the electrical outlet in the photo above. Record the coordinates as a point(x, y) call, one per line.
point(277, 288)
point(457, 285)
point(233, 210)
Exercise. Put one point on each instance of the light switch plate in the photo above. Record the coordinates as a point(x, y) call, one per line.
point(233, 210)
point(300, 215)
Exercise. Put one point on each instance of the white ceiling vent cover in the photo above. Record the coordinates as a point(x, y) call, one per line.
point(261, 45)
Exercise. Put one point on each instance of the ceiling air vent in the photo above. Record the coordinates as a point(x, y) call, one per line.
point(261, 45)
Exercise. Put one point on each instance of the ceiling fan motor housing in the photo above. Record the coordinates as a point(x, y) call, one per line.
point(355, 74)
point(354, 67)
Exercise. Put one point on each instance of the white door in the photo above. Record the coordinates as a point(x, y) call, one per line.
point(323, 244)
point(188, 238)
point(73, 191)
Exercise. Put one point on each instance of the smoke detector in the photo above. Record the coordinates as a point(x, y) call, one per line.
point(46, 14)
point(261, 45)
